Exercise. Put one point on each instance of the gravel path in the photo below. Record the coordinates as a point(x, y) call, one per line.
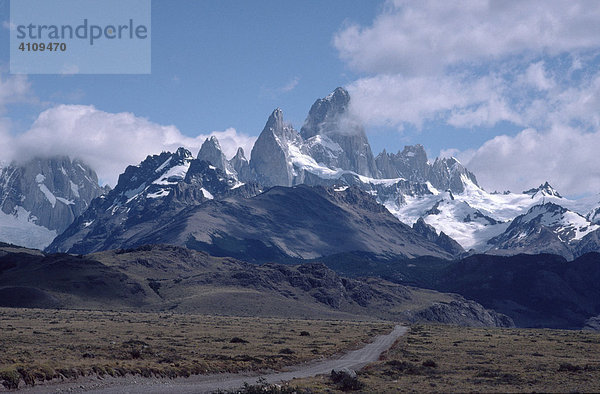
point(210, 383)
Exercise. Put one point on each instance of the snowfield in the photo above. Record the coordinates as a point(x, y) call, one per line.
point(20, 229)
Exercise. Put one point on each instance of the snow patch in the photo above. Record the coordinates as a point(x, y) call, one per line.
point(65, 201)
point(74, 189)
point(207, 194)
point(159, 194)
point(48, 194)
point(163, 165)
point(20, 229)
point(174, 175)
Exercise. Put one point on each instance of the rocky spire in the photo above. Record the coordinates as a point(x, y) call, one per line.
point(270, 159)
point(450, 174)
point(211, 152)
point(411, 164)
point(329, 117)
point(241, 166)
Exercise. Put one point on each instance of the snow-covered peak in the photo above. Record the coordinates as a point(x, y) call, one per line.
point(594, 215)
point(568, 225)
point(543, 190)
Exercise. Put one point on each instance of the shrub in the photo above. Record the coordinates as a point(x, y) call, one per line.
point(430, 364)
point(567, 367)
point(263, 387)
point(10, 378)
point(27, 375)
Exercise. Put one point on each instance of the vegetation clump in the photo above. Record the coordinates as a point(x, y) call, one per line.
point(346, 379)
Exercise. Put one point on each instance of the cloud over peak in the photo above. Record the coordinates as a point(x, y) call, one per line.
point(108, 142)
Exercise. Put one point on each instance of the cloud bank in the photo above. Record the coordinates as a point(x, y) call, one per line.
point(108, 142)
point(475, 64)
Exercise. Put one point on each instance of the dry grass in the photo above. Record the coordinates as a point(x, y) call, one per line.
point(459, 359)
point(40, 344)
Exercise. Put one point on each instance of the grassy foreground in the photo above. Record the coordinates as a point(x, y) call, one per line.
point(458, 359)
point(38, 345)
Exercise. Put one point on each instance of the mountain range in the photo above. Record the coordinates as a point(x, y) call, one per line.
point(317, 195)
point(57, 202)
point(261, 207)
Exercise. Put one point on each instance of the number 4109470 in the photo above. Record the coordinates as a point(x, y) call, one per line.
point(35, 47)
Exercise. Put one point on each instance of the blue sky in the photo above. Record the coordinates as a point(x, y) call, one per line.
point(512, 88)
point(220, 64)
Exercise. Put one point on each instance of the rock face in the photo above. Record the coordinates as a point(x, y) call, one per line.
point(335, 139)
point(450, 174)
point(463, 313)
point(270, 158)
point(211, 152)
point(412, 164)
point(241, 166)
point(442, 240)
point(594, 215)
point(592, 324)
point(51, 192)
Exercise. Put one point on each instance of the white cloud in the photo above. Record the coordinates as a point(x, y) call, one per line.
point(564, 156)
point(475, 64)
point(290, 85)
point(537, 77)
point(424, 37)
point(108, 141)
point(275, 91)
point(394, 100)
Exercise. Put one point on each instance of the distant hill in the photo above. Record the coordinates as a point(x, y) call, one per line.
point(534, 290)
point(159, 278)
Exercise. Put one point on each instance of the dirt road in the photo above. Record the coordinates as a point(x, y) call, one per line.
point(210, 383)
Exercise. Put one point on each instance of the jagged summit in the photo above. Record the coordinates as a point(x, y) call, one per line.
point(42, 196)
point(335, 138)
point(240, 154)
point(411, 163)
point(325, 112)
point(146, 197)
point(270, 157)
point(241, 166)
point(544, 189)
point(545, 228)
point(211, 151)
